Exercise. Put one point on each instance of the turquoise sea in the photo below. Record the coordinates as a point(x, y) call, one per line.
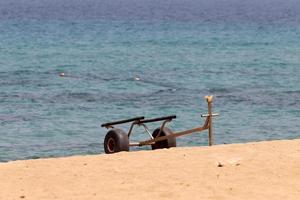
point(245, 53)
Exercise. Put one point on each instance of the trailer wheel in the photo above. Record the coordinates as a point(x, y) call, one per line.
point(116, 140)
point(168, 143)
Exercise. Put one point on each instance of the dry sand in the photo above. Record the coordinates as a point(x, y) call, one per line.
point(263, 170)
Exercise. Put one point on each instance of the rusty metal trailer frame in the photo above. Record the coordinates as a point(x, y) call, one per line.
point(141, 121)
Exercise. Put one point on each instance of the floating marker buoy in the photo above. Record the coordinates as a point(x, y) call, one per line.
point(136, 78)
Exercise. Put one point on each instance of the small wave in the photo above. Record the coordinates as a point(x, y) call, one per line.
point(294, 92)
point(263, 98)
point(168, 90)
point(32, 157)
point(220, 90)
point(161, 84)
point(81, 96)
point(17, 118)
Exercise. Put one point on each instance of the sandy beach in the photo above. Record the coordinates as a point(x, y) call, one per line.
point(262, 170)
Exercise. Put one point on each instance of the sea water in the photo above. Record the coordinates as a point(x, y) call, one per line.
point(245, 53)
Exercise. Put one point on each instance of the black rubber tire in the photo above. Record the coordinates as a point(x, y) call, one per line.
point(168, 143)
point(115, 141)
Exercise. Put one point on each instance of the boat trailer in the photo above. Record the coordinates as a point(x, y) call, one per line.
point(117, 140)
